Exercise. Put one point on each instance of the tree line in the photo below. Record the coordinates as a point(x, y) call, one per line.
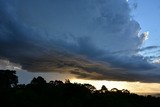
point(40, 93)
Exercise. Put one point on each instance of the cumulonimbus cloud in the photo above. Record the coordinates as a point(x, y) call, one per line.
point(95, 39)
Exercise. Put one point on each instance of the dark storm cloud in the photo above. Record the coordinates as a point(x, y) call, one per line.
point(94, 39)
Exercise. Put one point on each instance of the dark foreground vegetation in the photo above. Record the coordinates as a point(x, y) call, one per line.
point(39, 93)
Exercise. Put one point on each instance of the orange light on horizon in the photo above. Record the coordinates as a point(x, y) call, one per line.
point(133, 87)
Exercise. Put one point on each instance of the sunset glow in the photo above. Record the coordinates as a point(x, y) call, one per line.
point(135, 87)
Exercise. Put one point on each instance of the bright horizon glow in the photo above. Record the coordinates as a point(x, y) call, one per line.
point(133, 87)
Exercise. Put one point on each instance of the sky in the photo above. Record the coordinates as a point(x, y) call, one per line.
point(94, 40)
point(147, 14)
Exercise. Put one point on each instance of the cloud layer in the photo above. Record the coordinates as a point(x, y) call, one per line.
point(94, 39)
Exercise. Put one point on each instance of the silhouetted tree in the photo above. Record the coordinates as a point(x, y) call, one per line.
point(38, 80)
point(90, 87)
point(67, 81)
point(125, 91)
point(103, 89)
point(8, 79)
point(114, 90)
point(51, 82)
point(58, 82)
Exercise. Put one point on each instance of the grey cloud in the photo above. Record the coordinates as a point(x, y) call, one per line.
point(149, 48)
point(95, 39)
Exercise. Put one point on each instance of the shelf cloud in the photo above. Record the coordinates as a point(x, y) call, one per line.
point(92, 39)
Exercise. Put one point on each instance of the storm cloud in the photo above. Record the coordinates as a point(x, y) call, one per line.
point(93, 39)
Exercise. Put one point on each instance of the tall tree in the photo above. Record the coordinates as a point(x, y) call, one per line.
point(8, 79)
